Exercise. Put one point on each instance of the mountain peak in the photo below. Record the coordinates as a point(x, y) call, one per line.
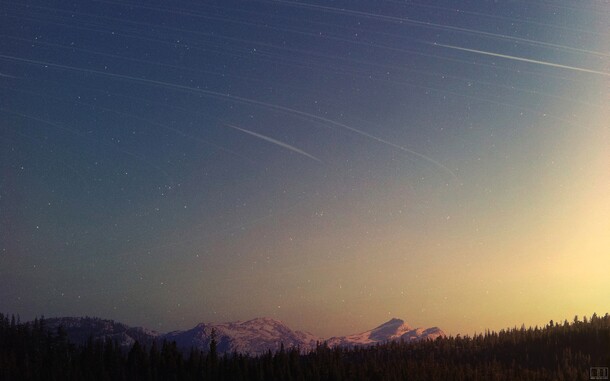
point(254, 336)
point(389, 330)
point(393, 322)
point(393, 329)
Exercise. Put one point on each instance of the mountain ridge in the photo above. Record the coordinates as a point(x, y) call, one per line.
point(254, 336)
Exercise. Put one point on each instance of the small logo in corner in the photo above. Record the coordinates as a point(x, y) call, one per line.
point(598, 373)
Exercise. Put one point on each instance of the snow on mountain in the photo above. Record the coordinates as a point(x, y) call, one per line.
point(254, 336)
point(79, 329)
point(394, 329)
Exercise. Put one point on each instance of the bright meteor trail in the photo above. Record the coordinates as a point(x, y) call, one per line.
point(276, 142)
point(515, 58)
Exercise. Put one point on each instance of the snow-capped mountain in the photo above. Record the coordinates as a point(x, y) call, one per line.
point(254, 336)
point(79, 329)
point(395, 329)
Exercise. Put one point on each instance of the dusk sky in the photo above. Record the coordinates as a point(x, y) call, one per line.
point(331, 164)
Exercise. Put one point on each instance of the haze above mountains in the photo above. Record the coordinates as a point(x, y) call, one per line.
point(254, 337)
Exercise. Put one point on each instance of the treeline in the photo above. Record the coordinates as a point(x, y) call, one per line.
point(566, 351)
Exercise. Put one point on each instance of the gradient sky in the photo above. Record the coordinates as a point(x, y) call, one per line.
point(329, 164)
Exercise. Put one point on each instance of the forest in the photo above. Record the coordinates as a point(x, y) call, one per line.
point(556, 351)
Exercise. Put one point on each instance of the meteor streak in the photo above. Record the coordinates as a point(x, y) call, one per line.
point(515, 58)
point(277, 142)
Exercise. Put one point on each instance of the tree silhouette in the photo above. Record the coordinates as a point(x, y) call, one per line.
point(30, 351)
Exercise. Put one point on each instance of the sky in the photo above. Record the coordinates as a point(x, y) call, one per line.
point(331, 164)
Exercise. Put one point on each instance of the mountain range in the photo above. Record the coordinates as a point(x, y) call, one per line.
point(255, 336)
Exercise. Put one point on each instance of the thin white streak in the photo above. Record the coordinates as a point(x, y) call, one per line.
point(402, 20)
point(274, 141)
point(237, 99)
point(515, 58)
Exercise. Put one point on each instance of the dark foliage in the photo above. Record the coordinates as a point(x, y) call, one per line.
point(28, 351)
